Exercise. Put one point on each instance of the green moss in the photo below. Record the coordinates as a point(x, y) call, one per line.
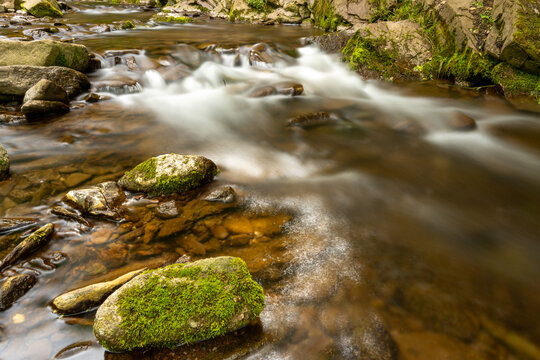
point(172, 19)
point(127, 25)
point(324, 15)
point(259, 5)
point(61, 60)
point(516, 82)
point(202, 307)
point(43, 9)
point(528, 29)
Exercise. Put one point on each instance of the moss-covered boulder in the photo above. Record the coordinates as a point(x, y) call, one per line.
point(4, 163)
point(179, 304)
point(42, 8)
point(169, 173)
point(44, 53)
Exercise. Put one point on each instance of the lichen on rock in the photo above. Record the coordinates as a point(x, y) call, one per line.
point(169, 173)
point(4, 163)
point(179, 304)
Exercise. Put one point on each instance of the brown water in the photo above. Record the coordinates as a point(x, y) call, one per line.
point(398, 224)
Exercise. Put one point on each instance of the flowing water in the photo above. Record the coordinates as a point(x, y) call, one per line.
point(398, 224)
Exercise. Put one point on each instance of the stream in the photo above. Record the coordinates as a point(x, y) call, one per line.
point(405, 234)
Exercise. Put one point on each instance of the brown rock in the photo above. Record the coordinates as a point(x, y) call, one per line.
point(14, 287)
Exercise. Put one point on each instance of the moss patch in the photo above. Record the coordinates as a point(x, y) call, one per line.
point(516, 82)
point(324, 15)
point(126, 25)
point(528, 29)
point(44, 8)
point(171, 19)
point(259, 5)
point(186, 303)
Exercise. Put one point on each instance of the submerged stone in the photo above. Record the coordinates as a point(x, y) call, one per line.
point(14, 287)
point(179, 304)
point(37, 239)
point(37, 108)
point(4, 163)
point(169, 173)
point(102, 199)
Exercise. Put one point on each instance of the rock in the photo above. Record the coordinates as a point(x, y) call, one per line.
point(4, 164)
point(100, 200)
point(60, 211)
point(461, 122)
point(132, 64)
point(17, 79)
point(37, 108)
point(44, 53)
point(311, 120)
point(11, 225)
point(167, 210)
point(179, 303)
point(89, 297)
point(28, 245)
point(12, 4)
point(169, 173)
point(92, 98)
point(14, 287)
point(42, 8)
point(261, 55)
point(332, 43)
point(289, 88)
point(46, 90)
point(224, 194)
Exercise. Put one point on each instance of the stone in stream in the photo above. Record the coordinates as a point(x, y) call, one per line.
point(179, 304)
point(224, 194)
point(4, 164)
point(169, 173)
point(100, 200)
point(461, 122)
point(11, 225)
point(46, 90)
point(89, 297)
point(14, 287)
point(28, 245)
point(44, 53)
point(12, 4)
point(60, 211)
point(37, 108)
point(15, 80)
point(42, 8)
point(311, 120)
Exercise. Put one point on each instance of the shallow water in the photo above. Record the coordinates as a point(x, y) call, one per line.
point(398, 221)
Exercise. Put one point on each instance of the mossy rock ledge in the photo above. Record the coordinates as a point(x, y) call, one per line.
point(4, 163)
point(179, 304)
point(169, 173)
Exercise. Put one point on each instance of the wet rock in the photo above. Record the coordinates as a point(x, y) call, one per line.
point(461, 122)
point(169, 173)
point(89, 297)
point(44, 53)
point(311, 120)
point(37, 108)
point(261, 55)
point(224, 194)
point(101, 200)
point(118, 86)
point(100, 28)
point(4, 164)
point(46, 90)
point(167, 306)
point(289, 88)
point(92, 98)
point(131, 64)
point(60, 211)
point(17, 79)
point(28, 245)
point(42, 8)
point(11, 225)
point(331, 43)
point(167, 210)
point(15, 287)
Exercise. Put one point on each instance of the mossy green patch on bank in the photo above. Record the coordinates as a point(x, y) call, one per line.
point(516, 82)
point(171, 19)
point(528, 28)
point(324, 15)
point(259, 5)
point(185, 303)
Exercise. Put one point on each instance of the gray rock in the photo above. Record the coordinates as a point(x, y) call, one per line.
point(89, 297)
point(37, 239)
point(48, 91)
point(332, 43)
point(4, 164)
point(224, 194)
point(179, 303)
point(37, 108)
point(101, 200)
point(17, 79)
point(15, 287)
point(169, 173)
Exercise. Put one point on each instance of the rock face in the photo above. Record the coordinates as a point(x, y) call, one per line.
point(41, 8)
point(45, 98)
point(169, 173)
point(100, 200)
point(28, 245)
point(15, 80)
point(89, 297)
point(44, 53)
point(180, 303)
point(14, 287)
point(4, 164)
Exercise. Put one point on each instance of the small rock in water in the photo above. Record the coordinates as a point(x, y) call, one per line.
point(311, 120)
point(461, 122)
point(89, 297)
point(15, 287)
point(100, 200)
point(170, 305)
point(58, 210)
point(48, 91)
point(169, 173)
point(289, 88)
point(92, 98)
point(28, 245)
point(36, 108)
point(4, 164)
point(259, 55)
point(224, 194)
point(167, 210)
point(131, 64)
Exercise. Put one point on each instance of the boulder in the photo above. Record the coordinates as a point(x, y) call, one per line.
point(169, 173)
point(14, 287)
point(48, 91)
point(89, 297)
point(4, 163)
point(42, 8)
point(38, 108)
point(101, 200)
point(179, 304)
point(37, 239)
point(44, 53)
point(11, 4)
point(15, 80)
